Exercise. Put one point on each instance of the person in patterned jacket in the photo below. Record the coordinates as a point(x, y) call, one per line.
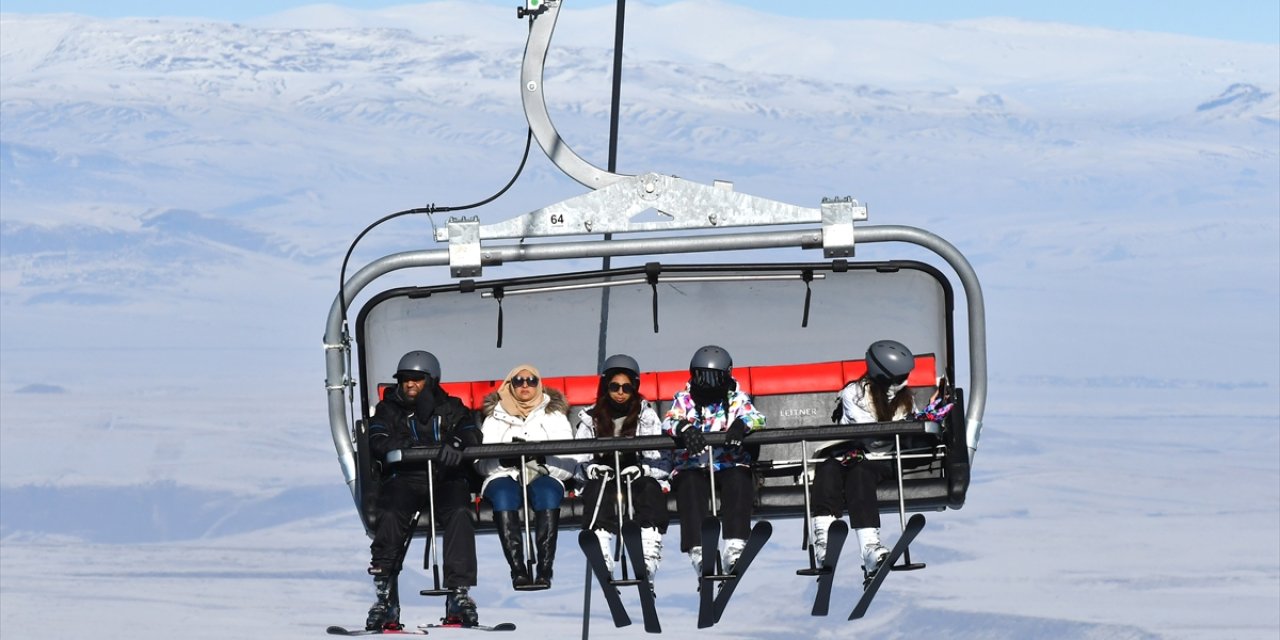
point(712, 403)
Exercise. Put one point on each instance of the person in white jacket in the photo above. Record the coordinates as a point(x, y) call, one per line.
point(522, 410)
point(844, 477)
point(620, 411)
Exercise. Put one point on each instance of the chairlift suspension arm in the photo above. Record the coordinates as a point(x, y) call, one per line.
point(542, 25)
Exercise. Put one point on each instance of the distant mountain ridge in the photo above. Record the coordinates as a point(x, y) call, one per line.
point(144, 159)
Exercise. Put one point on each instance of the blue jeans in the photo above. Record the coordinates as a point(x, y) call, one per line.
point(544, 493)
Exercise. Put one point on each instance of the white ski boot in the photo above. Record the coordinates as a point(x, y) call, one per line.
point(732, 550)
point(606, 547)
point(873, 553)
point(818, 537)
point(652, 541)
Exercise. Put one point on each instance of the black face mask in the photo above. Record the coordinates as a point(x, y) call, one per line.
point(424, 405)
point(709, 386)
point(716, 379)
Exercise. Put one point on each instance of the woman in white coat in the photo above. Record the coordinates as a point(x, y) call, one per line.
point(620, 411)
point(843, 476)
point(522, 410)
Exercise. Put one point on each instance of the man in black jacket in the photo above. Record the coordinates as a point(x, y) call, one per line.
point(417, 412)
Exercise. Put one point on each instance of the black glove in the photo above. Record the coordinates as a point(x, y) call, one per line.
point(736, 433)
point(451, 451)
point(629, 459)
point(690, 438)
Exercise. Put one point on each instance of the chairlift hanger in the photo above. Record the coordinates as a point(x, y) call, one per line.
point(728, 219)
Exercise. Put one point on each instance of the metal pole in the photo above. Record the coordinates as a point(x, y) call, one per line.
point(619, 549)
point(431, 491)
point(808, 513)
point(529, 546)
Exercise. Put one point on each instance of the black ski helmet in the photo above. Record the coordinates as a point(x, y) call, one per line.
point(710, 367)
point(620, 362)
point(419, 362)
point(889, 362)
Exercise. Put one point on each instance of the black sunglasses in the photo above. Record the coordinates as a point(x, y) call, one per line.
point(624, 387)
point(521, 381)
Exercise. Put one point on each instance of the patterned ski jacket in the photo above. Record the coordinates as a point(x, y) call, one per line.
point(714, 417)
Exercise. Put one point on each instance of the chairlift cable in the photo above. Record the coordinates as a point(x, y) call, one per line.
point(430, 209)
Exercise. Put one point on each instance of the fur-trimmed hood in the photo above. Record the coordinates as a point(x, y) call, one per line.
point(556, 402)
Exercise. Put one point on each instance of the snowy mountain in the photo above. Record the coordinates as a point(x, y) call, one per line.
point(307, 126)
point(176, 197)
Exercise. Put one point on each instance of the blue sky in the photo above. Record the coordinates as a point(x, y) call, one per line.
point(1242, 20)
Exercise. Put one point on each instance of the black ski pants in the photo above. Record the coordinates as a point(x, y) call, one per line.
point(736, 489)
point(838, 486)
point(600, 498)
point(401, 496)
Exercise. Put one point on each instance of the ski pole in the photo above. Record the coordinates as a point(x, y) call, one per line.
point(902, 499)
point(902, 504)
point(595, 513)
point(431, 494)
point(806, 541)
point(619, 550)
point(404, 551)
point(524, 495)
point(631, 501)
point(711, 475)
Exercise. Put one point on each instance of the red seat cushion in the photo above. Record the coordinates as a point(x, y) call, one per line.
point(763, 380)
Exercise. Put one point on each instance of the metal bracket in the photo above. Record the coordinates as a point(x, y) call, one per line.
point(679, 204)
point(463, 235)
point(838, 216)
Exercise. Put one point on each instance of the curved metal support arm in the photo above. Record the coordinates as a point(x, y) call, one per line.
point(535, 105)
point(973, 301)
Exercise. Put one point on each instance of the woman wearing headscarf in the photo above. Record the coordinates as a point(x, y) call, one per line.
point(523, 410)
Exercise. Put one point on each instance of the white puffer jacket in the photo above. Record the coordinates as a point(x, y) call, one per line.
point(547, 422)
point(855, 402)
point(656, 464)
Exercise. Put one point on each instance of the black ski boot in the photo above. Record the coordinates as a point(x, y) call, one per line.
point(510, 537)
point(385, 613)
point(460, 608)
point(548, 528)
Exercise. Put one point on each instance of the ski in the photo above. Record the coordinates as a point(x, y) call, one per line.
point(710, 555)
point(914, 525)
point(503, 626)
point(835, 542)
point(595, 557)
point(634, 541)
point(755, 542)
point(342, 631)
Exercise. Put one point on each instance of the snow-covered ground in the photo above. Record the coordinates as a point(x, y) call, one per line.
point(1077, 526)
point(177, 196)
